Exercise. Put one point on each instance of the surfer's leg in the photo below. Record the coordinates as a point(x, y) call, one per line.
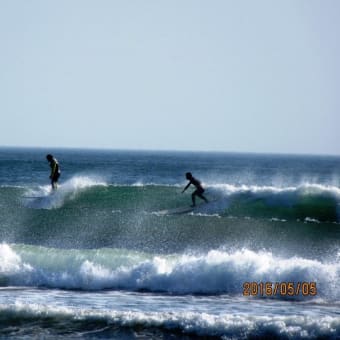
point(199, 192)
point(55, 181)
point(193, 197)
point(54, 184)
point(203, 198)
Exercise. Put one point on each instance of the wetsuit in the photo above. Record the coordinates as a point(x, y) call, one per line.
point(55, 172)
point(199, 189)
point(198, 192)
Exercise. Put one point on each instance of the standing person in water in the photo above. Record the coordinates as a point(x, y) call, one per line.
point(55, 170)
point(199, 189)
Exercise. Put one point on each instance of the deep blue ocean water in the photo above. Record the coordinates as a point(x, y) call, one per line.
point(105, 256)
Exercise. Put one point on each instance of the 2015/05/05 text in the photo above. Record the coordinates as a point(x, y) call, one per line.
point(281, 288)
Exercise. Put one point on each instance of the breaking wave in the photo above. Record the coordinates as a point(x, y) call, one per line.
point(214, 272)
point(307, 202)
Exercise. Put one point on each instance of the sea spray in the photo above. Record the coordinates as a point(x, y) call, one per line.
point(44, 197)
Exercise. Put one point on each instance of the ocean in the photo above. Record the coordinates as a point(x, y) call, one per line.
point(99, 258)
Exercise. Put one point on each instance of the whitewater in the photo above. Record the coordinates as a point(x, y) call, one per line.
point(98, 259)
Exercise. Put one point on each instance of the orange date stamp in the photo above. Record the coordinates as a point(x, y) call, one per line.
point(279, 288)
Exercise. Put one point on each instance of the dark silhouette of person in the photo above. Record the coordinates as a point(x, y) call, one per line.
point(199, 189)
point(55, 170)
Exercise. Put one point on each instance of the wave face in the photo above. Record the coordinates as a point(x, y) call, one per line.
point(87, 212)
point(310, 202)
point(304, 202)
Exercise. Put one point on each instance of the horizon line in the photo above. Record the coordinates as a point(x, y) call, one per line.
point(169, 150)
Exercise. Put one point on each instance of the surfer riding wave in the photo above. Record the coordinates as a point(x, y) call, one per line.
point(199, 189)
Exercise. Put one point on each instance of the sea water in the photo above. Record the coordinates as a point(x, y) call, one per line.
point(96, 259)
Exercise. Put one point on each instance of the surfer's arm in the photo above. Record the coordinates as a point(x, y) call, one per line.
point(186, 187)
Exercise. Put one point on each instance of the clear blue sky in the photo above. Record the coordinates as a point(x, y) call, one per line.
point(254, 76)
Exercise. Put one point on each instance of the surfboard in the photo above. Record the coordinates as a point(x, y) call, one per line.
point(175, 211)
point(185, 210)
point(37, 198)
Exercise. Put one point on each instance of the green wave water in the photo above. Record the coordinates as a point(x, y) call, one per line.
point(88, 214)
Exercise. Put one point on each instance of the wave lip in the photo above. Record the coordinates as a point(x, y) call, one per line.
point(215, 272)
point(307, 187)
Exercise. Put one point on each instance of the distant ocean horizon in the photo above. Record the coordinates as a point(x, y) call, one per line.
point(166, 150)
point(107, 255)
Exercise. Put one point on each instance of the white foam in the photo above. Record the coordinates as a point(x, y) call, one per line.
point(311, 220)
point(214, 272)
point(306, 188)
point(239, 326)
point(10, 262)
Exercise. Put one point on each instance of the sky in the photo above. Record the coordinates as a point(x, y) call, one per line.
point(241, 76)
